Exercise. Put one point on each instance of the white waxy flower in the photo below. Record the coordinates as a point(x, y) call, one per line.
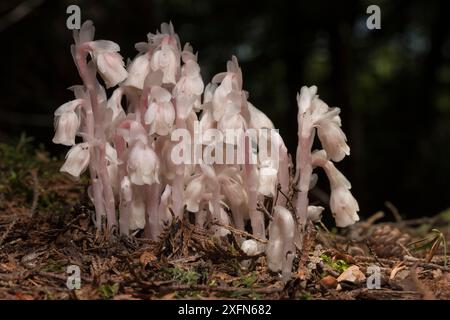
point(185, 104)
point(163, 208)
point(109, 62)
point(195, 193)
point(143, 164)
point(67, 122)
point(114, 105)
point(333, 140)
point(337, 179)
point(77, 159)
point(328, 123)
point(66, 128)
point(315, 213)
point(111, 68)
point(229, 93)
point(220, 97)
point(190, 86)
point(167, 60)
point(138, 71)
point(281, 240)
point(223, 219)
point(233, 190)
point(160, 114)
point(304, 99)
point(85, 34)
point(191, 82)
point(258, 119)
point(344, 207)
point(268, 178)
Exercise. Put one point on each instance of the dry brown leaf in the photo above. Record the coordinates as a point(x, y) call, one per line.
point(24, 296)
point(146, 258)
point(398, 267)
point(8, 266)
point(329, 282)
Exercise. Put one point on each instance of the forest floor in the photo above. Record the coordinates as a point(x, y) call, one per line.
point(45, 227)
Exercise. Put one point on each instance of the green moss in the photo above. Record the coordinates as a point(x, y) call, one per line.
point(306, 296)
point(188, 276)
point(53, 266)
point(249, 279)
point(108, 291)
point(338, 265)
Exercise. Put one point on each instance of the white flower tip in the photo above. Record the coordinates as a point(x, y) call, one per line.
point(77, 160)
point(315, 213)
point(344, 207)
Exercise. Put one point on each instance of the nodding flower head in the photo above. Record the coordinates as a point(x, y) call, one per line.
point(77, 159)
point(342, 203)
point(281, 240)
point(166, 56)
point(67, 122)
point(109, 62)
point(138, 70)
point(160, 114)
point(143, 164)
point(344, 207)
point(228, 93)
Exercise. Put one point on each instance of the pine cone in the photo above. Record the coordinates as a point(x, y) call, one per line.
point(387, 241)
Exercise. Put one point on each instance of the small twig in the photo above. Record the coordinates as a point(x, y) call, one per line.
point(409, 260)
point(239, 232)
point(34, 203)
point(132, 270)
point(264, 210)
point(404, 248)
point(374, 254)
point(8, 230)
point(69, 225)
point(19, 13)
point(393, 210)
point(324, 226)
point(374, 218)
point(287, 198)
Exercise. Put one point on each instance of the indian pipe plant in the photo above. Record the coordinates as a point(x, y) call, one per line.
point(129, 143)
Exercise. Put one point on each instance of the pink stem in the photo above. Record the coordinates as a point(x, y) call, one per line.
point(107, 190)
point(178, 182)
point(305, 166)
point(283, 175)
point(152, 229)
point(97, 189)
point(251, 184)
point(97, 166)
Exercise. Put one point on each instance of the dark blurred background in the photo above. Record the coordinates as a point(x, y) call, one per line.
point(391, 84)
